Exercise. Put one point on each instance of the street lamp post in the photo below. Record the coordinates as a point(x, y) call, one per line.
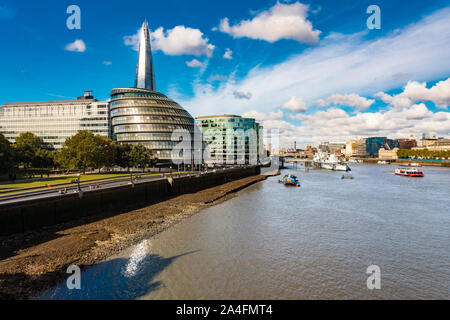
point(80, 192)
point(78, 181)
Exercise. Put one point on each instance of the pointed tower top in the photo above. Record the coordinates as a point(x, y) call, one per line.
point(145, 76)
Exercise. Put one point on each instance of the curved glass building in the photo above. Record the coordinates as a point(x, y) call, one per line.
point(140, 116)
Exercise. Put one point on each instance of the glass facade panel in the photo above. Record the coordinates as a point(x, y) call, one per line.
point(228, 139)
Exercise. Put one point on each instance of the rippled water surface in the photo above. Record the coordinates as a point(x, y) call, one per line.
point(313, 242)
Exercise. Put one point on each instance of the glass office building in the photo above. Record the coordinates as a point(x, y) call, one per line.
point(140, 116)
point(231, 139)
point(374, 144)
point(55, 121)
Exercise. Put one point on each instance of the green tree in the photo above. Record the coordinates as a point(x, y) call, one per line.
point(27, 145)
point(86, 150)
point(6, 155)
point(105, 152)
point(123, 155)
point(44, 158)
point(141, 157)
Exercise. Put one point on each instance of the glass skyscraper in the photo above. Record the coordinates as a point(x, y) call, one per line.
point(141, 115)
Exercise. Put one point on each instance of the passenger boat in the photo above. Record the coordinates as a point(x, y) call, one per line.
point(413, 172)
point(290, 180)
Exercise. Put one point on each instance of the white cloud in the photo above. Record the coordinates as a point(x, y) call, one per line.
point(339, 64)
point(282, 21)
point(194, 63)
point(107, 63)
point(295, 104)
point(336, 125)
point(76, 46)
point(352, 100)
point(175, 42)
point(415, 91)
point(228, 54)
point(260, 116)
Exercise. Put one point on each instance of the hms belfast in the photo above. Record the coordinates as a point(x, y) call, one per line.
point(141, 115)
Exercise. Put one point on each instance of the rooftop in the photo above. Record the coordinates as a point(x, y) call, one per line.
point(219, 116)
point(87, 97)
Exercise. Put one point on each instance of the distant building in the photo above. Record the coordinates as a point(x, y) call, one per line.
point(232, 139)
point(439, 144)
point(55, 121)
point(407, 143)
point(332, 147)
point(295, 153)
point(374, 144)
point(384, 154)
point(355, 149)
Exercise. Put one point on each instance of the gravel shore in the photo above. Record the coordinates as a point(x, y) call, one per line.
point(35, 261)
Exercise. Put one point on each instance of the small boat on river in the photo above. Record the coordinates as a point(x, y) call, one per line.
point(290, 180)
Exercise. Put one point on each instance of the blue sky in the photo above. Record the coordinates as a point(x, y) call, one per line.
point(320, 74)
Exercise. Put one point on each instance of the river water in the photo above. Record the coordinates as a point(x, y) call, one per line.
point(277, 242)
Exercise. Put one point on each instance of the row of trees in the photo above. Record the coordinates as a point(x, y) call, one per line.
point(423, 154)
point(81, 152)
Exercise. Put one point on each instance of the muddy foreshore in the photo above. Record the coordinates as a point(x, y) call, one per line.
point(35, 261)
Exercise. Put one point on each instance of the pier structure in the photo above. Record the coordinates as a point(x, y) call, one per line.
point(306, 163)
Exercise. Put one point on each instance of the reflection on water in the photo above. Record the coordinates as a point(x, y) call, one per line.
point(313, 242)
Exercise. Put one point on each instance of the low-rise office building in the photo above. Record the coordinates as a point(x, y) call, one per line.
point(356, 149)
point(55, 121)
point(440, 144)
point(232, 139)
point(384, 154)
point(337, 148)
point(407, 143)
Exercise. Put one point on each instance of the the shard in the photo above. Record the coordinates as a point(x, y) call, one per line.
point(145, 76)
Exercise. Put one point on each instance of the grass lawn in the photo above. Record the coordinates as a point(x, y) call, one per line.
point(66, 179)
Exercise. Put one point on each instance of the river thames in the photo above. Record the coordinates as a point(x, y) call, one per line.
point(277, 242)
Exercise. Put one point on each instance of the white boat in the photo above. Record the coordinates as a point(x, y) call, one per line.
point(414, 164)
point(383, 162)
point(410, 172)
point(330, 162)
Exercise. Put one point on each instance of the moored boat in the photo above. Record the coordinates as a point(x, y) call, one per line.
point(330, 162)
point(414, 164)
point(290, 180)
point(412, 172)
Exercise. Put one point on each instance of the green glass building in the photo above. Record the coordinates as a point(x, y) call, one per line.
point(232, 139)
